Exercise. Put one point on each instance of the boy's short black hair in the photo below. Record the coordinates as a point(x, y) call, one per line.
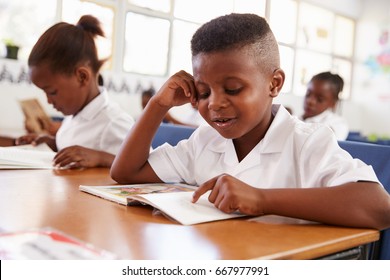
point(235, 31)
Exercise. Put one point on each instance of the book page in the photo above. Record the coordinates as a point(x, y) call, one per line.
point(40, 147)
point(123, 193)
point(179, 207)
point(26, 157)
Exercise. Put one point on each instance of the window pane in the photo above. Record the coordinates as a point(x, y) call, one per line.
point(344, 69)
point(159, 5)
point(146, 47)
point(344, 36)
point(24, 21)
point(202, 10)
point(307, 64)
point(72, 10)
point(283, 17)
point(181, 46)
point(287, 64)
point(315, 28)
point(250, 6)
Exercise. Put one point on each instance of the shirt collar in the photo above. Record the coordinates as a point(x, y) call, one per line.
point(279, 130)
point(93, 108)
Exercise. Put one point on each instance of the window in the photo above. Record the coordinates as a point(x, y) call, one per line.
point(146, 47)
point(181, 47)
point(160, 5)
point(72, 10)
point(312, 39)
point(152, 37)
point(283, 17)
point(287, 64)
point(22, 22)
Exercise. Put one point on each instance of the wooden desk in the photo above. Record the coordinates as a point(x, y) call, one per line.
point(46, 198)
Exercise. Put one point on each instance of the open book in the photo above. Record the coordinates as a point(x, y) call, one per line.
point(26, 157)
point(173, 200)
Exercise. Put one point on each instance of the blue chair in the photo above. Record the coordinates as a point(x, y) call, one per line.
point(378, 156)
point(171, 134)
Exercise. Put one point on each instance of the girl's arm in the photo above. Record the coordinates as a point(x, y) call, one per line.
point(36, 139)
point(131, 163)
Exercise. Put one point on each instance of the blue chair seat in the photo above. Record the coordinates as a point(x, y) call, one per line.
point(171, 134)
point(378, 156)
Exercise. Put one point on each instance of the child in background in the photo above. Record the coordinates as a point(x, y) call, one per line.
point(320, 102)
point(65, 65)
point(254, 157)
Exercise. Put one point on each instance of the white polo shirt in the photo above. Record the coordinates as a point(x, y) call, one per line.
point(101, 125)
point(337, 123)
point(293, 154)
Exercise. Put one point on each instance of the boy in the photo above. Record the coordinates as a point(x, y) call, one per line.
point(253, 157)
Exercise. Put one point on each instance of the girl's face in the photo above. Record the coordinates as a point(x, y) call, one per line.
point(67, 94)
point(234, 96)
point(319, 97)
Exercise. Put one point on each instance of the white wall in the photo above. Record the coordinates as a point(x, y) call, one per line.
point(371, 86)
point(350, 8)
point(368, 110)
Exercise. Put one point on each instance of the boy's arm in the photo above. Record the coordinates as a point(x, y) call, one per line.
point(131, 163)
point(358, 204)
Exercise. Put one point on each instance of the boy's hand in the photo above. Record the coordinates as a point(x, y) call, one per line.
point(230, 194)
point(78, 157)
point(179, 89)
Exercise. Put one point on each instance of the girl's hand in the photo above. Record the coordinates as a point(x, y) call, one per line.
point(78, 157)
point(230, 194)
point(36, 139)
point(179, 89)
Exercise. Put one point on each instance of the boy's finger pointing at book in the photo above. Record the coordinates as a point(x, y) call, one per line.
point(205, 187)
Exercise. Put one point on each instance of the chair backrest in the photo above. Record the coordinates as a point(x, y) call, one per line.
point(378, 156)
point(171, 133)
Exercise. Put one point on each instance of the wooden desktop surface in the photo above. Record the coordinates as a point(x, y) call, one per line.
point(48, 198)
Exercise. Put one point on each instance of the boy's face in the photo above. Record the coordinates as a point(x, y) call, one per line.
point(65, 93)
point(319, 97)
point(234, 96)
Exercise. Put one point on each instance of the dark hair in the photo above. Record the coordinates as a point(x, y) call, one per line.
point(149, 92)
point(335, 80)
point(64, 46)
point(235, 31)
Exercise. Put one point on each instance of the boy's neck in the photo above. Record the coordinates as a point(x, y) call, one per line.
point(245, 144)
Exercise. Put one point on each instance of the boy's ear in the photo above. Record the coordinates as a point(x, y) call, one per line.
point(277, 82)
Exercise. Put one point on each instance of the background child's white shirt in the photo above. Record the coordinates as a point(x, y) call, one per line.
point(293, 154)
point(337, 123)
point(101, 125)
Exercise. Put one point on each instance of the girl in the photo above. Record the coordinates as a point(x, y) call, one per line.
point(320, 102)
point(64, 64)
